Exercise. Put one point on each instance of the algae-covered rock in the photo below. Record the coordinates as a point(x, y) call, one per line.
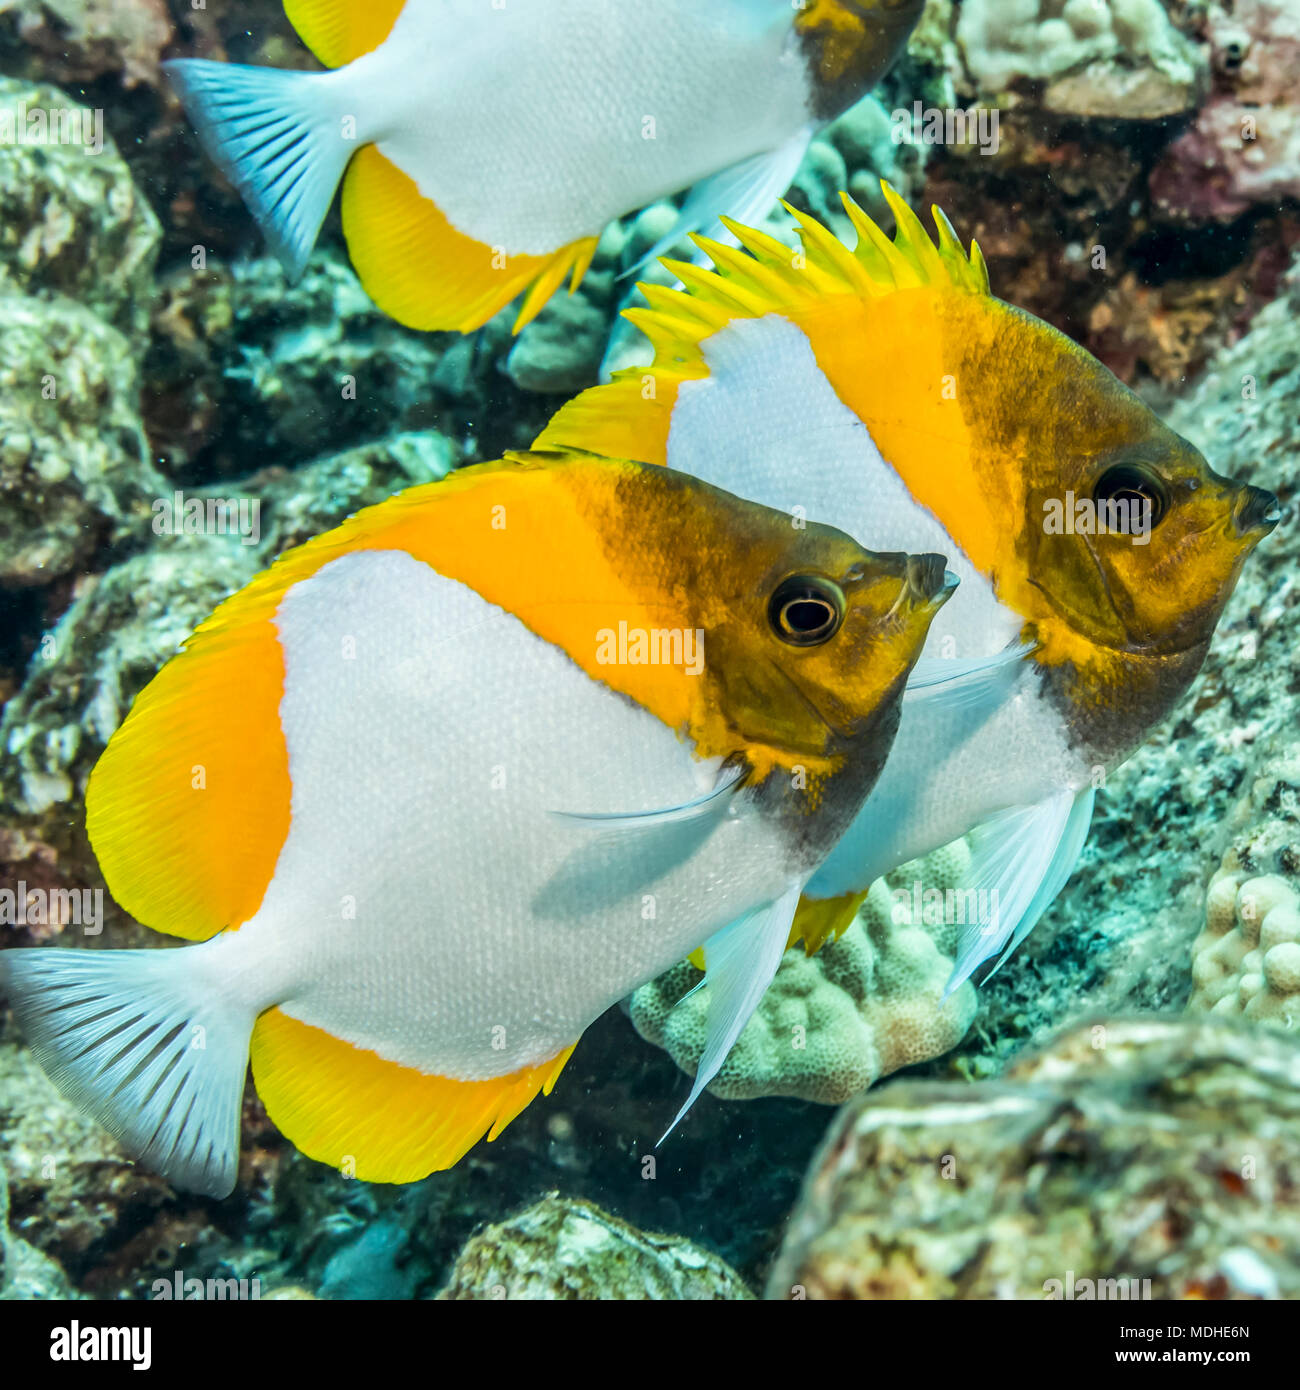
point(70, 1186)
point(74, 222)
point(832, 1024)
point(74, 466)
point(102, 653)
point(566, 1249)
point(246, 370)
point(25, 1273)
point(1151, 1158)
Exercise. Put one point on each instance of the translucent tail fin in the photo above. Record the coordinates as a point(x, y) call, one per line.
point(143, 1042)
point(277, 138)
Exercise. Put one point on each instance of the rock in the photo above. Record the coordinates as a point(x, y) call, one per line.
point(74, 466)
point(71, 1188)
point(1152, 1158)
point(832, 1024)
point(75, 224)
point(246, 370)
point(103, 652)
point(565, 1249)
point(25, 1273)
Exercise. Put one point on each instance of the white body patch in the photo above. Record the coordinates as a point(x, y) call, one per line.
point(426, 904)
point(537, 122)
point(767, 425)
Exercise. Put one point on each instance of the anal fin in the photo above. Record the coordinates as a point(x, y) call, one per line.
point(379, 1120)
point(423, 272)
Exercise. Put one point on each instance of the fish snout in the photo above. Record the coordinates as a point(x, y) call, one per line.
point(929, 580)
point(1257, 511)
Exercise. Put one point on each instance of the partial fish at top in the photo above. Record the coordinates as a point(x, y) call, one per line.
point(483, 147)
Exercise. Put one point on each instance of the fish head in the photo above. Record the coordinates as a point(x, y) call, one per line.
point(1132, 542)
point(820, 656)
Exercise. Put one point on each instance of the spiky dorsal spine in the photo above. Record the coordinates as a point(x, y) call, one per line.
point(765, 276)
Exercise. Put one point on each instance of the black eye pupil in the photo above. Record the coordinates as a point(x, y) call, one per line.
point(1132, 496)
point(807, 615)
point(806, 611)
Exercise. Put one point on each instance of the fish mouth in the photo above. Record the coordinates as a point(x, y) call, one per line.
point(1257, 512)
point(928, 582)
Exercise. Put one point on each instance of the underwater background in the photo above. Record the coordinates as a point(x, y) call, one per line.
point(1125, 1092)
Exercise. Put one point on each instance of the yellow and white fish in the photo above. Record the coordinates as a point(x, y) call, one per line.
point(483, 147)
point(885, 391)
point(442, 785)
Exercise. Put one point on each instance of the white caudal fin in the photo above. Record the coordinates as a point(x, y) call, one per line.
point(277, 138)
point(740, 961)
point(143, 1042)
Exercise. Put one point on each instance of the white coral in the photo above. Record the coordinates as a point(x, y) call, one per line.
point(1246, 962)
point(832, 1024)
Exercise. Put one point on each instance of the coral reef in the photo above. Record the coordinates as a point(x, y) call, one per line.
point(832, 1024)
point(562, 1249)
point(1150, 1158)
point(74, 468)
point(242, 371)
point(1135, 193)
point(1243, 148)
point(24, 1272)
point(1246, 961)
point(77, 248)
point(1101, 58)
point(75, 223)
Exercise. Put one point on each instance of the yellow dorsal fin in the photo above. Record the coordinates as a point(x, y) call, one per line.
point(337, 31)
point(629, 418)
point(423, 272)
point(374, 1119)
point(189, 805)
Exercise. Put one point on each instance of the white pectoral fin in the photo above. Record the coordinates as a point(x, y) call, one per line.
point(745, 192)
point(967, 685)
point(276, 137)
point(1020, 861)
point(707, 803)
point(740, 961)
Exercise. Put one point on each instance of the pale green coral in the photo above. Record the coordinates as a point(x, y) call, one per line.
point(832, 1024)
point(1246, 960)
point(1109, 58)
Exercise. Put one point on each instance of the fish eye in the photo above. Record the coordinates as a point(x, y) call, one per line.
point(806, 610)
point(1131, 491)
